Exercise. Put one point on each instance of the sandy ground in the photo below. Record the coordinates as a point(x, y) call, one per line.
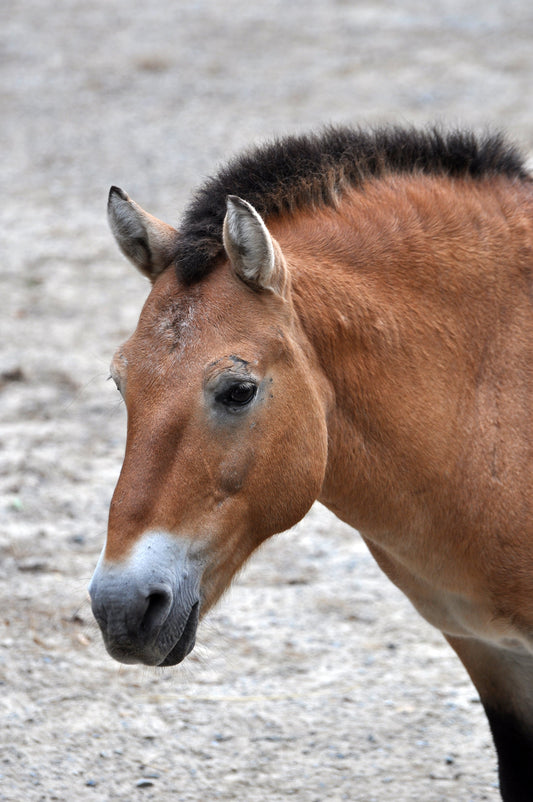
point(314, 679)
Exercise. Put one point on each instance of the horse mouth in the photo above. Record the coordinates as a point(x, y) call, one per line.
point(186, 641)
point(126, 647)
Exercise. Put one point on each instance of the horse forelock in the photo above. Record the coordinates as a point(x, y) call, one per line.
point(299, 172)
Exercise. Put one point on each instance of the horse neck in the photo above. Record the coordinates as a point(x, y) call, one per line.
point(401, 295)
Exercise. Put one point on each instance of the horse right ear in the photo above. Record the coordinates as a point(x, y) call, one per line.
point(146, 241)
point(254, 255)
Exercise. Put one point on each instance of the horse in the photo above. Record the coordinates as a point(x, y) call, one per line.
point(341, 316)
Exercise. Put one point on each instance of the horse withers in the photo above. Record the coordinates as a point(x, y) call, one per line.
point(344, 317)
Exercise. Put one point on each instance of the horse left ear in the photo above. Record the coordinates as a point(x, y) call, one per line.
point(148, 243)
point(255, 256)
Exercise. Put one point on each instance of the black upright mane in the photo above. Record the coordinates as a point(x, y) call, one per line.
point(302, 171)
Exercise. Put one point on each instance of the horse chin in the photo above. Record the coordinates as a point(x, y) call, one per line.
point(185, 644)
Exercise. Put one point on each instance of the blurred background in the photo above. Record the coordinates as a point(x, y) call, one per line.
point(314, 679)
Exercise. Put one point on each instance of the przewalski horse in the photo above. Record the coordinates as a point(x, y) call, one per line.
point(344, 317)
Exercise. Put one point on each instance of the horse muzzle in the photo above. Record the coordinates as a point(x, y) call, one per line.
point(148, 604)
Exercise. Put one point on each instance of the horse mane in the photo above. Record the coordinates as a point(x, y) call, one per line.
point(305, 171)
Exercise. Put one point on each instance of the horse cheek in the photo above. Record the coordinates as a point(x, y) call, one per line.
point(293, 475)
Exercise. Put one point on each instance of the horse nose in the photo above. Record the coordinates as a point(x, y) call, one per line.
point(155, 608)
point(147, 605)
point(132, 609)
point(131, 616)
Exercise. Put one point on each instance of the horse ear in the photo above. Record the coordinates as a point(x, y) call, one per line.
point(255, 256)
point(143, 239)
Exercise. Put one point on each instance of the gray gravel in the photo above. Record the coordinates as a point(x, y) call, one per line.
point(314, 679)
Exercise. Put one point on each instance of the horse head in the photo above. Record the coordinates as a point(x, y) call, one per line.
point(226, 435)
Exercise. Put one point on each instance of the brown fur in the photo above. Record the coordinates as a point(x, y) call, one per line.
point(397, 362)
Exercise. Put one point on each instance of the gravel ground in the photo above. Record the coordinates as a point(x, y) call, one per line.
point(314, 679)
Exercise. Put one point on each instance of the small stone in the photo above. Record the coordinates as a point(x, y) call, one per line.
point(32, 566)
point(12, 374)
point(144, 783)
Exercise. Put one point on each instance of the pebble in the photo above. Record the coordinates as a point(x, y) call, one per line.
point(32, 565)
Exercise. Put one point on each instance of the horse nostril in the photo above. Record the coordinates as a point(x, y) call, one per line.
point(158, 606)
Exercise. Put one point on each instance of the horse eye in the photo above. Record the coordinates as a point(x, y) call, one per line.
point(111, 378)
point(239, 394)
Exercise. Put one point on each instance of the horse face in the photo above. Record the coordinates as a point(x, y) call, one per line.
point(226, 445)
